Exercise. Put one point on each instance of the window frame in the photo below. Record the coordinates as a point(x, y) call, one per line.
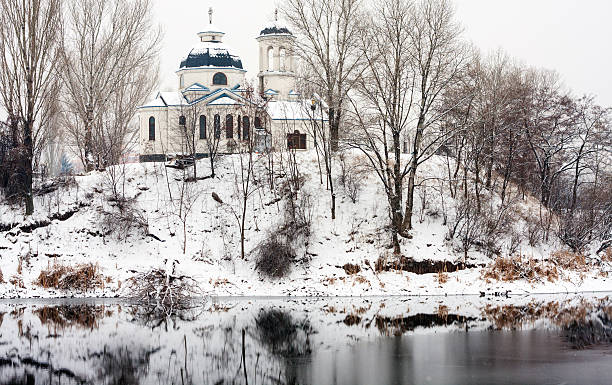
point(216, 79)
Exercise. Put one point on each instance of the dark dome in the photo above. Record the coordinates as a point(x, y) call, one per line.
point(211, 54)
point(274, 30)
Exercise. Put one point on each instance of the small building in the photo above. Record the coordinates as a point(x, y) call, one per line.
point(214, 101)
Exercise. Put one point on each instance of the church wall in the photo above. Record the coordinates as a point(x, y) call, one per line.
point(283, 83)
point(204, 76)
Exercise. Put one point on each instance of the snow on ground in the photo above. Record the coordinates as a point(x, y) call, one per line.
point(212, 255)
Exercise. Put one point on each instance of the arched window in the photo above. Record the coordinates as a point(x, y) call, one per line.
point(151, 128)
point(182, 121)
point(229, 126)
point(220, 79)
point(202, 127)
point(246, 126)
point(239, 130)
point(182, 81)
point(257, 122)
point(270, 59)
point(217, 126)
point(283, 59)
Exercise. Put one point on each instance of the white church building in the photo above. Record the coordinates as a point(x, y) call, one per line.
point(213, 98)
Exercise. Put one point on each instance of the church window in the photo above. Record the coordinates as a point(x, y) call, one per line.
point(283, 59)
point(296, 141)
point(270, 59)
point(202, 127)
point(182, 121)
point(220, 79)
point(257, 122)
point(151, 128)
point(182, 81)
point(229, 126)
point(217, 126)
point(246, 125)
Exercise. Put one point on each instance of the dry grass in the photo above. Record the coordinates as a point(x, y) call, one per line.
point(361, 280)
point(520, 267)
point(607, 256)
point(515, 268)
point(17, 281)
point(219, 282)
point(442, 277)
point(569, 260)
point(329, 280)
point(81, 277)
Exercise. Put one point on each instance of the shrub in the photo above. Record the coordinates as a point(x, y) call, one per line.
point(351, 176)
point(351, 269)
point(82, 277)
point(275, 257)
point(1, 277)
point(162, 289)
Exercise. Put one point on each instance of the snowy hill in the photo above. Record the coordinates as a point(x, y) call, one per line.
point(78, 223)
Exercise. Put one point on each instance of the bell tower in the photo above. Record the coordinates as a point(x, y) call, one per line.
point(276, 61)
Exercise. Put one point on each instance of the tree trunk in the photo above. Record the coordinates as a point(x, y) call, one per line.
point(407, 225)
point(334, 128)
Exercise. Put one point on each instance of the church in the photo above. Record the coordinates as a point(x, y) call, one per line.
point(214, 103)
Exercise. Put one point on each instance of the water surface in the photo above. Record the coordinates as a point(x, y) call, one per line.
point(349, 341)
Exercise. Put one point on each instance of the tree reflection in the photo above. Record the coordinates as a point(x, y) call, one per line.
point(282, 334)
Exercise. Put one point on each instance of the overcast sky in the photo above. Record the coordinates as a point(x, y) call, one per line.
point(571, 36)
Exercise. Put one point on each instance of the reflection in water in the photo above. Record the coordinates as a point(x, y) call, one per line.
point(309, 341)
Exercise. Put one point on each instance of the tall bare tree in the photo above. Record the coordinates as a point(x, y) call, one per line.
point(327, 32)
point(29, 39)
point(108, 68)
point(438, 57)
point(383, 100)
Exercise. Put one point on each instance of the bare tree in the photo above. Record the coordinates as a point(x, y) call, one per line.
point(438, 57)
point(29, 39)
point(383, 100)
point(245, 162)
point(327, 32)
point(324, 146)
point(109, 68)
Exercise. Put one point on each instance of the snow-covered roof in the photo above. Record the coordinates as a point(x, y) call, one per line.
point(157, 102)
point(173, 98)
point(211, 54)
point(292, 110)
point(197, 87)
point(225, 101)
point(211, 28)
point(270, 91)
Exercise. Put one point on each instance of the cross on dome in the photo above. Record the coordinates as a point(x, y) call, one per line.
point(211, 33)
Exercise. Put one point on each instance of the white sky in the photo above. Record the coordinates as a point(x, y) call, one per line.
point(573, 37)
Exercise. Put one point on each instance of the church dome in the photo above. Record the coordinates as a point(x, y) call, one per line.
point(275, 30)
point(211, 54)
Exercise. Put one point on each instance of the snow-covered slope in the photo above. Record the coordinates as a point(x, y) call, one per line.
point(78, 233)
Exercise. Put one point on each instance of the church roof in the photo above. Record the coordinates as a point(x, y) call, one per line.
point(211, 54)
point(225, 101)
point(197, 87)
point(275, 30)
